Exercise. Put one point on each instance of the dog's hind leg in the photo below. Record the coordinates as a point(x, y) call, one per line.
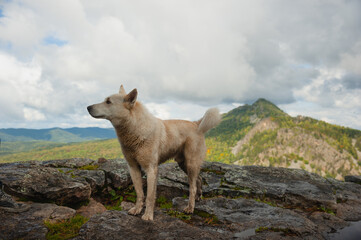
point(192, 179)
point(182, 164)
point(194, 153)
point(199, 188)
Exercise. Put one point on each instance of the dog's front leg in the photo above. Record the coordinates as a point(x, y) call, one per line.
point(152, 175)
point(136, 176)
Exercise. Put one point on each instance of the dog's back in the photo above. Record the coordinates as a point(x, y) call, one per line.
point(178, 133)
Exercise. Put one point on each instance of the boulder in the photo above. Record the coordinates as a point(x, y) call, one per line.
point(120, 225)
point(30, 224)
point(172, 181)
point(44, 184)
point(76, 168)
point(74, 163)
point(116, 172)
point(348, 198)
point(246, 214)
point(95, 178)
point(92, 208)
point(290, 188)
point(355, 179)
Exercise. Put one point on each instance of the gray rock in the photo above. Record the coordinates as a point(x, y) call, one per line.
point(30, 224)
point(248, 202)
point(246, 214)
point(96, 178)
point(92, 208)
point(348, 197)
point(116, 172)
point(172, 181)
point(120, 225)
point(327, 223)
point(69, 163)
point(355, 179)
point(292, 188)
point(44, 184)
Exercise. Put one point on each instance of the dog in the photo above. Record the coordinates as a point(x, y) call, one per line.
point(147, 141)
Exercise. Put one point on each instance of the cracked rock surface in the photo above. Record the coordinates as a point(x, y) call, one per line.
point(240, 202)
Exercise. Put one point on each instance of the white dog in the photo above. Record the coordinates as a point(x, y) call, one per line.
point(147, 141)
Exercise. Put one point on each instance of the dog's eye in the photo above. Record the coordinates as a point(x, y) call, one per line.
point(108, 101)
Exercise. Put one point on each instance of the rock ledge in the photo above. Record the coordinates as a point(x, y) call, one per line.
point(248, 202)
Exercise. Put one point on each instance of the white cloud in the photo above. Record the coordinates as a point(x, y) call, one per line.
point(185, 110)
point(33, 115)
point(336, 115)
point(62, 56)
point(159, 110)
point(21, 86)
point(330, 89)
point(351, 60)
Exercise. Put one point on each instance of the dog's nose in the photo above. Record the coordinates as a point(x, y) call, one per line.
point(89, 108)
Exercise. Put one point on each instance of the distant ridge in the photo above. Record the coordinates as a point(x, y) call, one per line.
point(60, 135)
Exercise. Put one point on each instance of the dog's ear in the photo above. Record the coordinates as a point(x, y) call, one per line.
point(131, 98)
point(122, 91)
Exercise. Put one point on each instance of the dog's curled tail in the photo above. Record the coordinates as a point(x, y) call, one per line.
point(210, 119)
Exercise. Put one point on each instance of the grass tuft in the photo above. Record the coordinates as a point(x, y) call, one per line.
point(164, 203)
point(182, 216)
point(326, 210)
point(65, 229)
point(89, 167)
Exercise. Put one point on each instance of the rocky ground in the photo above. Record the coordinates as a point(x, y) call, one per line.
point(248, 202)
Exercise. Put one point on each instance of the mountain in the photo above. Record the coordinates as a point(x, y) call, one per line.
point(257, 134)
point(238, 121)
point(56, 134)
point(262, 134)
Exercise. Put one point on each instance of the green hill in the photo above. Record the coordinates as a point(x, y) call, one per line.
point(56, 134)
point(17, 147)
point(235, 125)
point(262, 134)
point(22, 140)
point(91, 149)
point(238, 121)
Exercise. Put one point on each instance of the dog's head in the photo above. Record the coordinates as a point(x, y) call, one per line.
point(115, 107)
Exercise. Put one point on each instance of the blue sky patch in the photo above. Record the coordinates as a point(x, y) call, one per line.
point(1, 13)
point(302, 66)
point(5, 45)
point(51, 40)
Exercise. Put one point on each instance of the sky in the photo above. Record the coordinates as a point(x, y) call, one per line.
point(58, 57)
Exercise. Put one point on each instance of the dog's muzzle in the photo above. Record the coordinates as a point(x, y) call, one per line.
point(90, 108)
point(95, 114)
point(91, 111)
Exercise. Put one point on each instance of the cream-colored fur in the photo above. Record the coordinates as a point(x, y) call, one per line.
point(147, 141)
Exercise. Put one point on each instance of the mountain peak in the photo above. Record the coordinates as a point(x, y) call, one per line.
point(262, 101)
point(244, 117)
point(264, 108)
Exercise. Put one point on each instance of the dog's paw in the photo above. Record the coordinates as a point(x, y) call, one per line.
point(147, 217)
point(134, 211)
point(188, 210)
